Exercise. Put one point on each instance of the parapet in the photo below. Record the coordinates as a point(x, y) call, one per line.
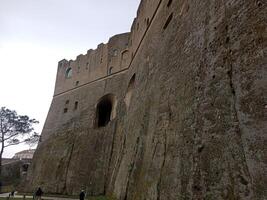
point(105, 60)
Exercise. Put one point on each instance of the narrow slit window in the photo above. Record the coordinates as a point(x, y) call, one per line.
point(168, 21)
point(110, 70)
point(76, 105)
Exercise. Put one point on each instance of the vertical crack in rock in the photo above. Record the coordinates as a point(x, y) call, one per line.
point(132, 167)
point(110, 158)
point(233, 91)
point(233, 87)
point(67, 167)
point(162, 166)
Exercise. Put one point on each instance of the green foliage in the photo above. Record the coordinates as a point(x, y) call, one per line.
point(90, 198)
point(16, 129)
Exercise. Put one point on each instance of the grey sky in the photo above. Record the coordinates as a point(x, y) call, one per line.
point(36, 34)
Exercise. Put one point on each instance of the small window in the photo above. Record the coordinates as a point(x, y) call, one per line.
point(115, 52)
point(110, 70)
point(25, 167)
point(65, 110)
point(67, 102)
point(68, 73)
point(76, 105)
point(77, 83)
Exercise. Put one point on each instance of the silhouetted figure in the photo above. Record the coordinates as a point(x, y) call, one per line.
point(82, 195)
point(12, 193)
point(39, 193)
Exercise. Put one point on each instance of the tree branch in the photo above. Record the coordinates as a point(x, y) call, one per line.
point(14, 144)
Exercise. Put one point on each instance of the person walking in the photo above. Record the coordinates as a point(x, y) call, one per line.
point(82, 195)
point(12, 193)
point(39, 193)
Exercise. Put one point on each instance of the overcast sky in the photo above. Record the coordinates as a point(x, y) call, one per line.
point(36, 34)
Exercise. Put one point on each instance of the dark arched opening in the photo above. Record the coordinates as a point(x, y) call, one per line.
point(105, 110)
point(25, 167)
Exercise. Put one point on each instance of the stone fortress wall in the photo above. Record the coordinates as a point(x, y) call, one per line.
point(107, 59)
point(186, 108)
point(104, 62)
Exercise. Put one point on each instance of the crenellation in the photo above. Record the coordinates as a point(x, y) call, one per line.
point(172, 110)
point(109, 58)
point(101, 62)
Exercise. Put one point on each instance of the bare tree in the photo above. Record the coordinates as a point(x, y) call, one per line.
point(15, 129)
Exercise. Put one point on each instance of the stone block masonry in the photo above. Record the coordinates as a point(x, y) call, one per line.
point(175, 109)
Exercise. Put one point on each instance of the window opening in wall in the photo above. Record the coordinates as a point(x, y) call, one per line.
point(110, 70)
point(76, 105)
point(77, 83)
point(68, 73)
point(65, 110)
point(115, 52)
point(25, 167)
point(105, 110)
point(168, 21)
point(129, 92)
point(67, 102)
point(169, 3)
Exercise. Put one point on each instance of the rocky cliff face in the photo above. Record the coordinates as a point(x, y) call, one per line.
point(194, 126)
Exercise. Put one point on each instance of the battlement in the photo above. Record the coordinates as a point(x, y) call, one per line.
point(107, 59)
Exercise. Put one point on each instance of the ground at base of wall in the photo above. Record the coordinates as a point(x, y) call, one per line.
point(61, 198)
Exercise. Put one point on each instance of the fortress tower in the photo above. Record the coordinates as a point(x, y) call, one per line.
point(173, 110)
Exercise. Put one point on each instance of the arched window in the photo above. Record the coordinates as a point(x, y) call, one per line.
point(110, 70)
point(115, 52)
point(129, 92)
point(125, 58)
point(25, 167)
point(68, 73)
point(105, 110)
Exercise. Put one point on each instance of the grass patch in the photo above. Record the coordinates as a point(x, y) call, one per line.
point(5, 198)
point(50, 197)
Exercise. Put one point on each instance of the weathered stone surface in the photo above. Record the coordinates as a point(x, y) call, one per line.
point(196, 124)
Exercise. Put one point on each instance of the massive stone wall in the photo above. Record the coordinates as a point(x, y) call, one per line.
point(192, 123)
